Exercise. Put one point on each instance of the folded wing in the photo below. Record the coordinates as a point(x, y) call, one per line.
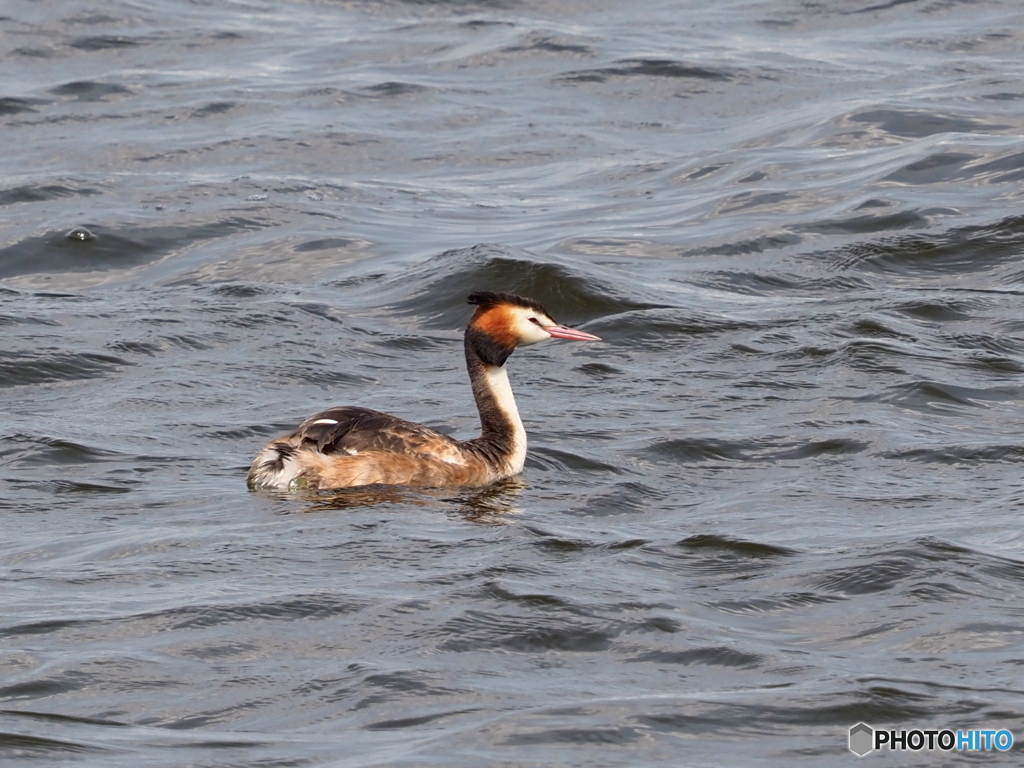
point(351, 431)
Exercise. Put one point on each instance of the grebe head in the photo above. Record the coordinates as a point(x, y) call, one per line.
point(506, 321)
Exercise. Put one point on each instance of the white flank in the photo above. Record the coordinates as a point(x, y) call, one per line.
point(265, 477)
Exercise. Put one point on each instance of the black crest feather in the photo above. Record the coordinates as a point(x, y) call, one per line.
point(488, 299)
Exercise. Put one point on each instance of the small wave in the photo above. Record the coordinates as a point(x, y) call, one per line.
point(240, 290)
point(329, 244)
point(399, 723)
point(595, 736)
point(944, 311)
point(89, 90)
point(55, 718)
point(479, 630)
point(565, 462)
point(717, 656)
point(24, 368)
point(437, 288)
point(24, 320)
point(390, 686)
point(939, 397)
point(880, 574)
point(620, 499)
point(688, 450)
point(867, 224)
point(935, 168)
point(731, 546)
point(393, 88)
point(928, 569)
point(34, 193)
point(781, 603)
point(918, 123)
point(649, 68)
point(993, 363)
point(10, 105)
point(496, 591)
point(60, 487)
point(768, 242)
point(774, 284)
point(133, 347)
point(963, 250)
point(696, 449)
point(546, 43)
point(33, 450)
point(103, 43)
point(212, 108)
point(109, 249)
point(716, 555)
point(961, 454)
point(599, 371)
point(878, 355)
point(664, 327)
point(20, 746)
point(315, 372)
point(292, 608)
point(1006, 169)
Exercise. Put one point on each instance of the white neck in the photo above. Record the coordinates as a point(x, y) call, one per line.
point(496, 379)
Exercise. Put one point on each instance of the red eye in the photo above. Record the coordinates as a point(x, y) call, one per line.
point(535, 321)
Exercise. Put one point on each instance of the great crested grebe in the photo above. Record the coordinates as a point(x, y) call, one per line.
point(349, 446)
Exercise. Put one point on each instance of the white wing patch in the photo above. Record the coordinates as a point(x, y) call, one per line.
point(325, 421)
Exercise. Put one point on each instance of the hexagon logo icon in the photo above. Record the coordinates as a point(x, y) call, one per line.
point(862, 737)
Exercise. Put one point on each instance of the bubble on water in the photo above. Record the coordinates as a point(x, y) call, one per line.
point(80, 233)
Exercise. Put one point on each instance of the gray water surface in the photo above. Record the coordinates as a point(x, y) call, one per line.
point(781, 497)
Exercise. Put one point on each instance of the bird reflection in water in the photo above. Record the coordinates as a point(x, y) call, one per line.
point(490, 505)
